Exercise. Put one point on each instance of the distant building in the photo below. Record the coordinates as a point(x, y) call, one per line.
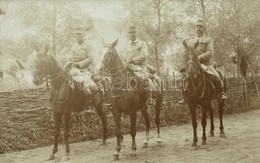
point(14, 73)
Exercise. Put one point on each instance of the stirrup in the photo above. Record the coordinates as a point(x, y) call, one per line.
point(182, 101)
point(89, 110)
point(150, 102)
point(222, 96)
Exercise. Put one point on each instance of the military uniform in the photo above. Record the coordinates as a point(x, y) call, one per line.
point(82, 65)
point(205, 48)
point(205, 53)
point(81, 54)
point(137, 53)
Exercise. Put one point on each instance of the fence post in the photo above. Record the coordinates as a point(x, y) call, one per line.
point(256, 88)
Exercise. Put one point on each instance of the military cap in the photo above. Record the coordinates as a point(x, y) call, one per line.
point(132, 28)
point(200, 22)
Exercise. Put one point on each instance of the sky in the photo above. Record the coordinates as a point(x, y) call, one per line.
point(102, 9)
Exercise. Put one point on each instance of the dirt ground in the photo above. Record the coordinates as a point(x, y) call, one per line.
point(241, 144)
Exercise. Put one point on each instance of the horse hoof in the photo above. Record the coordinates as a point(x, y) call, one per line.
point(133, 154)
point(51, 157)
point(65, 158)
point(115, 157)
point(194, 147)
point(159, 143)
point(211, 134)
point(203, 143)
point(194, 144)
point(222, 135)
point(145, 145)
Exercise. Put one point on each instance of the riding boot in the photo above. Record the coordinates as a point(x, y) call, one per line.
point(220, 90)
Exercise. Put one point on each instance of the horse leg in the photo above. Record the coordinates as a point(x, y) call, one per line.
point(133, 133)
point(147, 124)
point(57, 122)
point(103, 117)
point(220, 112)
point(158, 107)
point(66, 135)
point(204, 124)
point(194, 125)
point(212, 127)
point(117, 119)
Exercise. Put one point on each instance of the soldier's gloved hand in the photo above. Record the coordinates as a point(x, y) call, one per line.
point(131, 62)
point(202, 58)
point(76, 65)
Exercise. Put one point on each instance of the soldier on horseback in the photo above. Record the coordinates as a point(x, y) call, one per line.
point(205, 52)
point(136, 56)
point(80, 64)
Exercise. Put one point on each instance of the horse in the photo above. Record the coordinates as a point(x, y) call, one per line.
point(64, 99)
point(128, 99)
point(200, 91)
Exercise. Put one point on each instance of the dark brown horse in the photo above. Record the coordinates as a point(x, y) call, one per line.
point(200, 91)
point(128, 96)
point(64, 99)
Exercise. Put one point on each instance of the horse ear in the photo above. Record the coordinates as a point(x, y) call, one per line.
point(184, 43)
point(114, 43)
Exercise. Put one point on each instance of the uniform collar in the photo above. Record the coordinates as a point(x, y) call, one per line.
point(204, 35)
point(134, 42)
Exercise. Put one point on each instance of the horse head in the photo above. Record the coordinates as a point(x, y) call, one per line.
point(110, 59)
point(41, 65)
point(193, 65)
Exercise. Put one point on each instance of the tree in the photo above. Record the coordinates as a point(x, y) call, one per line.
point(155, 26)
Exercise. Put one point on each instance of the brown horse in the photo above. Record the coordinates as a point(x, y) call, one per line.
point(200, 91)
point(127, 96)
point(64, 99)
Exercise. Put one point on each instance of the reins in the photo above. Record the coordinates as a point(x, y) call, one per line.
point(195, 89)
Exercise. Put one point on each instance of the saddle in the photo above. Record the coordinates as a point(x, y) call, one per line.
point(86, 80)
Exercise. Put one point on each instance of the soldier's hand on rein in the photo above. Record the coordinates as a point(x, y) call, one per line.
point(131, 62)
point(76, 65)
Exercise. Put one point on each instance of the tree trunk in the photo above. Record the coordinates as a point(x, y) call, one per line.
point(246, 102)
point(54, 27)
point(158, 32)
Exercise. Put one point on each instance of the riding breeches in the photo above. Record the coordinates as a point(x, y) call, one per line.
point(215, 78)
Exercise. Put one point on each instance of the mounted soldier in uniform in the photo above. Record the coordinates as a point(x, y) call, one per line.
point(136, 56)
point(205, 53)
point(80, 64)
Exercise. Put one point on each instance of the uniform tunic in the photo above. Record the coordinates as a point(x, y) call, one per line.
point(137, 51)
point(205, 48)
point(205, 51)
point(82, 55)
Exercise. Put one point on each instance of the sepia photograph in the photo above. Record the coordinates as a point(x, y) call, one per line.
point(129, 81)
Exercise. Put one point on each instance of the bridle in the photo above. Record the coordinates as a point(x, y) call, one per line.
point(198, 71)
point(121, 67)
point(45, 73)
